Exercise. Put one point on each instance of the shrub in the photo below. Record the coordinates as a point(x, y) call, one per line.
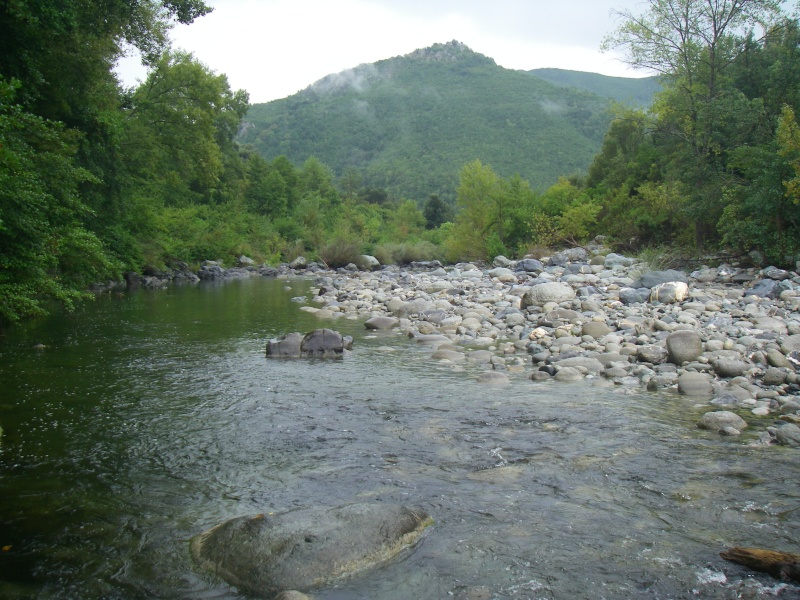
point(339, 252)
point(406, 252)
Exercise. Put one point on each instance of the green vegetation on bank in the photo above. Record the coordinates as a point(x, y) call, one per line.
point(97, 180)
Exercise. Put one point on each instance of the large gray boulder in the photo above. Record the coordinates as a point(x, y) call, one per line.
point(320, 343)
point(719, 420)
point(305, 549)
point(325, 343)
point(552, 291)
point(286, 346)
point(684, 346)
point(694, 384)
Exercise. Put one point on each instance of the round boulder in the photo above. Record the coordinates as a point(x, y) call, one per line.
point(721, 420)
point(307, 548)
point(381, 322)
point(684, 346)
point(552, 291)
point(694, 384)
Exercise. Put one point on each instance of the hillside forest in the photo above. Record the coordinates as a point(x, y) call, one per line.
point(97, 179)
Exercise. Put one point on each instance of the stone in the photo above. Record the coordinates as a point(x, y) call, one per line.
point(245, 261)
point(721, 419)
point(501, 261)
point(529, 265)
point(541, 294)
point(287, 346)
point(776, 358)
point(592, 365)
point(307, 548)
point(653, 278)
point(774, 376)
point(595, 329)
point(324, 343)
point(694, 384)
point(670, 292)
point(634, 296)
point(765, 288)
point(790, 344)
point(729, 367)
point(299, 263)
point(568, 374)
point(381, 323)
point(366, 262)
point(788, 435)
point(653, 353)
point(451, 355)
point(684, 346)
point(493, 378)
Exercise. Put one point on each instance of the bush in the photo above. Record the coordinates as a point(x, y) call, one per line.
point(406, 252)
point(339, 252)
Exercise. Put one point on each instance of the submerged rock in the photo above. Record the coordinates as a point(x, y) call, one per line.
point(307, 548)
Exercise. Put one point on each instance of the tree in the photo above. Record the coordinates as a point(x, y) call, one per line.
point(45, 251)
point(180, 123)
point(436, 211)
point(693, 44)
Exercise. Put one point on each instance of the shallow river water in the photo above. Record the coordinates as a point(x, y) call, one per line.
point(152, 416)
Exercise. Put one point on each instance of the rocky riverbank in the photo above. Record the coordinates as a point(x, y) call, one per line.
point(726, 334)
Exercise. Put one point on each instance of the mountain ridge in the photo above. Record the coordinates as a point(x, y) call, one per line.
point(409, 123)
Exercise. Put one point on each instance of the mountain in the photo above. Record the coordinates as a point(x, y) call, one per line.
point(409, 123)
point(627, 90)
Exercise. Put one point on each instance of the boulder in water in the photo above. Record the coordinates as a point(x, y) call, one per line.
point(307, 548)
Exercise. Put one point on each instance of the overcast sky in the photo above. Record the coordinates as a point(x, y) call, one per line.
point(275, 48)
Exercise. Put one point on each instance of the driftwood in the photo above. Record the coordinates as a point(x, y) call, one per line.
point(782, 565)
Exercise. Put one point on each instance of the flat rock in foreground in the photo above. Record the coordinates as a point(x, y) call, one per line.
point(307, 548)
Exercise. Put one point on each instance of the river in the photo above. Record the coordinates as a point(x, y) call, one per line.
point(151, 416)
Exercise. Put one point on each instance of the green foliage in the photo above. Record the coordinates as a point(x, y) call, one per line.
point(403, 253)
point(436, 211)
point(46, 253)
point(339, 252)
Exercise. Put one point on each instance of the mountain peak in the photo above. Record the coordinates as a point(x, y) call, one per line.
point(452, 51)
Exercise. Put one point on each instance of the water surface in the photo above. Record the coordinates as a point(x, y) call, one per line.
point(153, 416)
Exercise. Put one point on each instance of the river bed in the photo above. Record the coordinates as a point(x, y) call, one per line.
point(151, 416)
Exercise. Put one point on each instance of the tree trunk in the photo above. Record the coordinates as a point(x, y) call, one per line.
point(782, 565)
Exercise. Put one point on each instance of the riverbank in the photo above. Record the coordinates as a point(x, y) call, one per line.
point(728, 335)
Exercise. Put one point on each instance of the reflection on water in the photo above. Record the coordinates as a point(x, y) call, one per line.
point(152, 416)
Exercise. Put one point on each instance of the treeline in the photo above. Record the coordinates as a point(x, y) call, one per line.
point(96, 179)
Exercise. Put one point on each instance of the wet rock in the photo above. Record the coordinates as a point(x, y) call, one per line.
point(694, 384)
point(684, 346)
point(592, 365)
point(381, 323)
point(324, 343)
point(493, 378)
point(541, 294)
point(307, 548)
point(765, 288)
point(720, 420)
point(568, 374)
point(287, 346)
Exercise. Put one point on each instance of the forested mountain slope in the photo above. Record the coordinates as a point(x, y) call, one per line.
point(409, 123)
point(627, 90)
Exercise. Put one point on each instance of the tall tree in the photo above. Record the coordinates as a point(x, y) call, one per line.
point(693, 44)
